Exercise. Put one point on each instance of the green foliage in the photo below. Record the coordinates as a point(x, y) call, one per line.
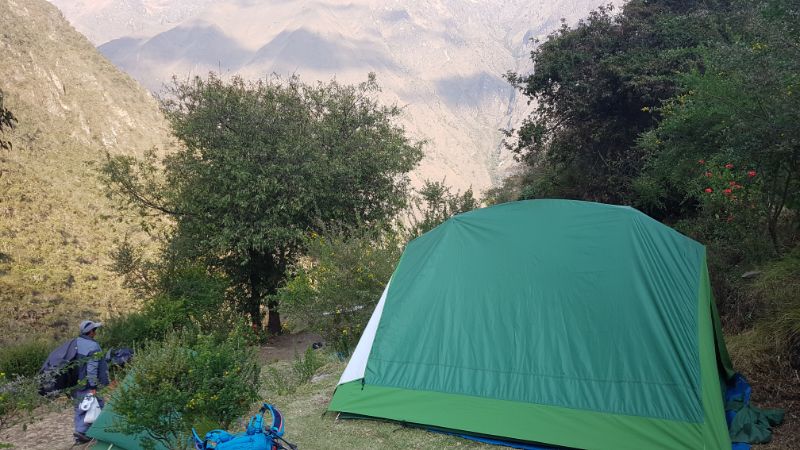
point(24, 359)
point(263, 163)
point(435, 203)
point(184, 381)
point(282, 379)
point(593, 87)
point(335, 288)
point(17, 395)
point(186, 298)
point(742, 109)
point(306, 365)
point(7, 121)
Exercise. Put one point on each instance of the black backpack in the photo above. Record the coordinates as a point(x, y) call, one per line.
point(61, 369)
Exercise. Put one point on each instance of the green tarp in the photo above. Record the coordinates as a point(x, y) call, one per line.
point(550, 321)
point(107, 438)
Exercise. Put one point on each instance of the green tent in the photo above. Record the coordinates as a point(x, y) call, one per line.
point(108, 439)
point(555, 322)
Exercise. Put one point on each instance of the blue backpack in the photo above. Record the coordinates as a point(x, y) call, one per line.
point(256, 437)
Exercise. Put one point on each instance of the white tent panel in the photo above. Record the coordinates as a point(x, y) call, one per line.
point(358, 362)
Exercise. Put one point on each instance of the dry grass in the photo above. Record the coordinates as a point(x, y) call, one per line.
point(760, 357)
point(56, 226)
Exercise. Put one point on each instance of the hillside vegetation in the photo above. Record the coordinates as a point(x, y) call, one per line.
point(56, 226)
point(293, 198)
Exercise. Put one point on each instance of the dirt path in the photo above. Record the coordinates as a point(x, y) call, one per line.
point(50, 428)
point(286, 347)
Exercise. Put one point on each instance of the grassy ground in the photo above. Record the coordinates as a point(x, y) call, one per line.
point(56, 226)
point(310, 427)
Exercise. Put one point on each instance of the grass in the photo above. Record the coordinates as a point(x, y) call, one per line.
point(309, 425)
point(56, 226)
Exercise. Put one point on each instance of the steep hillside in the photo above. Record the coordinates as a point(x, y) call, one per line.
point(442, 60)
point(56, 227)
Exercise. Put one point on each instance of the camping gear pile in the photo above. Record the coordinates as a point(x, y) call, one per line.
point(255, 437)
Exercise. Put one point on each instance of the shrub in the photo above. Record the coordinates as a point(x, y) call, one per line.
point(306, 365)
point(185, 381)
point(20, 394)
point(24, 359)
point(188, 298)
point(335, 291)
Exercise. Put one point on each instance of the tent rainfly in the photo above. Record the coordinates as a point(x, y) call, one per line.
point(552, 322)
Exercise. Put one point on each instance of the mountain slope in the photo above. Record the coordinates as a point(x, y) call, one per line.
point(56, 226)
point(442, 60)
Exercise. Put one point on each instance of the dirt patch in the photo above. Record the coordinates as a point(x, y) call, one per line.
point(283, 348)
point(49, 428)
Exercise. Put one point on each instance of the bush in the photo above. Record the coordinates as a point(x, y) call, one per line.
point(24, 359)
point(336, 290)
point(189, 298)
point(20, 394)
point(305, 366)
point(186, 381)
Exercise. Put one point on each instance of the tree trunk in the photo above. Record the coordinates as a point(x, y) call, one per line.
point(274, 322)
point(254, 302)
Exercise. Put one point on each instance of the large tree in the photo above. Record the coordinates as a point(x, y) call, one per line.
point(261, 164)
point(737, 124)
point(594, 87)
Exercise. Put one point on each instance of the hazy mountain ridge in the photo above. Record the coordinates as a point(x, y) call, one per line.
point(441, 60)
point(56, 226)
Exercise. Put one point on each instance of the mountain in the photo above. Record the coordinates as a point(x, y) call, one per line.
point(56, 226)
point(443, 60)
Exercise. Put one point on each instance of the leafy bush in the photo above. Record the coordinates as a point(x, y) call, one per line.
point(20, 394)
point(434, 203)
point(335, 291)
point(24, 359)
point(306, 365)
point(188, 298)
point(184, 381)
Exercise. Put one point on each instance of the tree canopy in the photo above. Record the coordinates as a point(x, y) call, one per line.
point(627, 105)
point(262, 164)
point(593, 85)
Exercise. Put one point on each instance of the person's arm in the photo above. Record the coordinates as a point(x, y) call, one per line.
point(91, 349)
point(91, 371)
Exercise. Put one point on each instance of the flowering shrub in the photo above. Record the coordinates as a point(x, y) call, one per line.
point(729, 193)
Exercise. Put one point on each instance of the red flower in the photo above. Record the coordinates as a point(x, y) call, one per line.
point(727, 191)
point(729, 166)
point(709, 174)
point(709, 190)
point(701, 161)
point(751, 173)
